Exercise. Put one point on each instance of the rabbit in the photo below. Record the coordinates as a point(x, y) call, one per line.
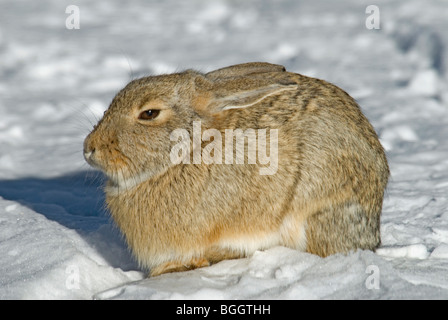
point(325, 196)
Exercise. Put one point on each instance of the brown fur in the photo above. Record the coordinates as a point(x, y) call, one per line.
point(326, 196)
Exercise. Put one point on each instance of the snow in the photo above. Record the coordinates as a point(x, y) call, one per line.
point(58, 242)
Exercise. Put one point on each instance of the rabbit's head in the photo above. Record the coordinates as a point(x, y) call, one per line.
point(131, 143)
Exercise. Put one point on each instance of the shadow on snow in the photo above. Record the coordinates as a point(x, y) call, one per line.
point(75, 201)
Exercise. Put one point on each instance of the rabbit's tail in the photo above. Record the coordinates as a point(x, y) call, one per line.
point(341, 229)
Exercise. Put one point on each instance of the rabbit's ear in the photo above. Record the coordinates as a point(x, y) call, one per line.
point(239, 92)
point(244, 69)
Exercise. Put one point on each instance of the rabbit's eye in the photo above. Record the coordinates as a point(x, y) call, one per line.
point(149, 114)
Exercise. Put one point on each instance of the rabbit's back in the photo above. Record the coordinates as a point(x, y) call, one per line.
point(346, 170)
point(332, 170)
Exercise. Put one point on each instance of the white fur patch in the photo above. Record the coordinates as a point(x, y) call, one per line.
point(120, 184)
point(291, 234)
point(248, 244)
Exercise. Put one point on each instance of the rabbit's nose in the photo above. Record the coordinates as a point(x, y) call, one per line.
point(88, 151)
point(91, 159)
point(88, 154)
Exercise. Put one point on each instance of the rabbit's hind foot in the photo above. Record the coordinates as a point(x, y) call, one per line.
point(177, 266)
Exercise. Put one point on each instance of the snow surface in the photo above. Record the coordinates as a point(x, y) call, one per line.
point(57, 241)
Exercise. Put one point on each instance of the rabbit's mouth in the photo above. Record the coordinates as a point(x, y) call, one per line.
point(116, 179)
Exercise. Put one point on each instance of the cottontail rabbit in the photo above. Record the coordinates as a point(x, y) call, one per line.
point(322, 192)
